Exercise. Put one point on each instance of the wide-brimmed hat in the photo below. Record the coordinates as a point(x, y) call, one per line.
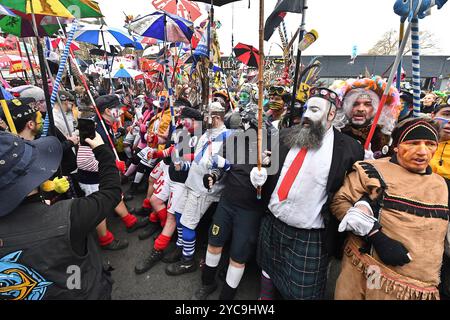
point(24, 166)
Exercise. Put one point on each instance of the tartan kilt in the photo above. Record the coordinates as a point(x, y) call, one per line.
point(295, 259)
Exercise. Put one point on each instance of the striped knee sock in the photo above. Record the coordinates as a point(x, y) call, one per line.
point(267, 288)
point(188, 243)
point(179, 230)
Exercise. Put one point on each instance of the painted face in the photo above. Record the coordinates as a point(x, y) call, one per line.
point(316, 112)
point(244, 98)
point(115, 114)
point(443, 117)
point(415, 155)
point(39, 123)
point(428, 100)
point(362, 111)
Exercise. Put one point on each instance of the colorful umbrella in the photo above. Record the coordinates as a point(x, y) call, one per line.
point(247, 54)
point(126, 73)
point(186, 9)
point(57, 8)
point(22, 26)
point(57, 43)
point(102, 35)
point(164, 26)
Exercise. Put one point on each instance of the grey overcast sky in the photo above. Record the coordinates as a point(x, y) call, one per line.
point(340, 24)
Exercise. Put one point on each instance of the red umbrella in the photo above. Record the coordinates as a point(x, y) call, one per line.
point(247, 54)
point(187, 9)
point(55, 44)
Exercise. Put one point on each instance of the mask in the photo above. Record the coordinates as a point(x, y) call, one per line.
point(244, 98)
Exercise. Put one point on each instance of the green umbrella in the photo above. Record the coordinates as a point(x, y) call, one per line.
point(21, 26)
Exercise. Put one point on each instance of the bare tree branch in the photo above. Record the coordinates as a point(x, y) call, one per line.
point(388, 44)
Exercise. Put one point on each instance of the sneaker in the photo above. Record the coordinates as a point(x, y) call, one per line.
point(139, 224)
point(181, 267)
point(149, 230)
point(173, 256)
point(116, 245)
point(204, 291)
point(148, 262)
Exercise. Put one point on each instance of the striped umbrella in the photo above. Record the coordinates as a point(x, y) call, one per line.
point(126, 73)
point(247, 54)
point(102, 35)
point(4, 11)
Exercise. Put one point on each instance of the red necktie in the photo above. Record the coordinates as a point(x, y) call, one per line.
point(291, 174)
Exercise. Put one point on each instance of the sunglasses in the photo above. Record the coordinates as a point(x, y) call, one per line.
point(277, 90)
point(326, 94)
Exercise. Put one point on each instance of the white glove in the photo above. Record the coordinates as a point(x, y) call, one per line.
point(357, 222)
point(266, 158)
point(368, 154)
point(258, 178)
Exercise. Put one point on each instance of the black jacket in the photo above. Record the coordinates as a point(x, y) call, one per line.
point(346, 151)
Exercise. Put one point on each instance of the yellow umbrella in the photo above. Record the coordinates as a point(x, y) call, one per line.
point(47, 7)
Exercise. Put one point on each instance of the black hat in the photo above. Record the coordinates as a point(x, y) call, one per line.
point(107, 102)
point(415, 129)
point(24, 165)
point(65, 95)
point(19, 109)
point(406, 96)
point(191, 113)
point(182, 102)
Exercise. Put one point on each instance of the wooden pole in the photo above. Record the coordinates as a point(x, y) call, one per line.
point(260, 87)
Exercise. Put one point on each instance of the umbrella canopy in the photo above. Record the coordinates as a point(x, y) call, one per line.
point(163, 26)
point(57, 8)
point(217, 2)
point(22, 26)
point(111, 51)
point(126, 73)
point(247, 54)
point(186, 9)
point(57, 43)
point(95, 34)
point(4, 11)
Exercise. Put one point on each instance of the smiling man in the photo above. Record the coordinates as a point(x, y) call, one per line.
point(396, 210)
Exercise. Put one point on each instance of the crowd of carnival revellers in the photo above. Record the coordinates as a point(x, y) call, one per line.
point(318, 195)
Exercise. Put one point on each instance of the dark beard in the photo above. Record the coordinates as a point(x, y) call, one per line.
point(309, 138)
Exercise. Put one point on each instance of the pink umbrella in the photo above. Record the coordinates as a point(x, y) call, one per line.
point(187, 9)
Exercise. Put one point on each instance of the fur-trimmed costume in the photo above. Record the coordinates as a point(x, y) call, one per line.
point(414, 211)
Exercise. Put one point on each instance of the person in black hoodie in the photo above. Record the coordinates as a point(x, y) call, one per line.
point(239, 211)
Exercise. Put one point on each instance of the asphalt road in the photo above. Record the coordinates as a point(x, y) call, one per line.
point(156, 285)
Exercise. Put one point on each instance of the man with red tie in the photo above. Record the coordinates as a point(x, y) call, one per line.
point(299, 234)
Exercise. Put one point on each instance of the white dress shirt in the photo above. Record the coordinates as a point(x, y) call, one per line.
point(301, 209)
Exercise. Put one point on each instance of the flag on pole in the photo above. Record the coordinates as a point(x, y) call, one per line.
point(278, 14)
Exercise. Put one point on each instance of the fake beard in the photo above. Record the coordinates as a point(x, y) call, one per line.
point(306, 137)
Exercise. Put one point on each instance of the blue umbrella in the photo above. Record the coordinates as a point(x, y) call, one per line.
point(103, 35)
point(126, 73)
point(163, 26)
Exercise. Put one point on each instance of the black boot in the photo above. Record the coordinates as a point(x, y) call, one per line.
point(149, 230)
point(139, 224)
point(227, 292)
point(116, 245)
point(143, 212)
point(129, 195)
point(204, 291)
point(173, 256)
point(148, 262)
point(181, 267)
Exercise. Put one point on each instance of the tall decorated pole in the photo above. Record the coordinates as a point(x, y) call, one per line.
point(260, 88)
point(297, 62)
point(399, 70)
point(57, 83)
point(415, 45)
